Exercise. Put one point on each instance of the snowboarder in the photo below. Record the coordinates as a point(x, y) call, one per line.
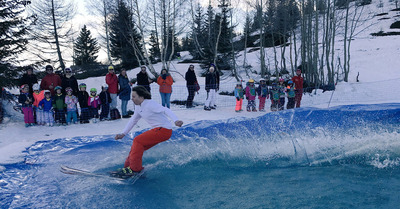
point(157, 117)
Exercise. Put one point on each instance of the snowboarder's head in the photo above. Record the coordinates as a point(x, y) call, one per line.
point(139, 94)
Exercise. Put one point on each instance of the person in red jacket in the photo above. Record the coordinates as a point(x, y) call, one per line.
point(112, 82)
point(298, 82)
point(165, 81)
point(50, 81)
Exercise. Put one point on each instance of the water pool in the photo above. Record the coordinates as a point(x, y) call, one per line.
point(342, 157)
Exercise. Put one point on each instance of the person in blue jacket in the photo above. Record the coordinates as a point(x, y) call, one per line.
point(124, 92)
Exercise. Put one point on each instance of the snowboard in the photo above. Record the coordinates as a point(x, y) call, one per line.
point(74, 171)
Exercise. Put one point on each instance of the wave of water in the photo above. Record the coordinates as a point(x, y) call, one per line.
point(248, 163)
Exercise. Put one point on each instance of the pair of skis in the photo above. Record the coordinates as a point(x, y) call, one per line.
point(73, 171)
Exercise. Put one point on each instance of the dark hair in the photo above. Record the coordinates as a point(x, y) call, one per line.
point(142, 92)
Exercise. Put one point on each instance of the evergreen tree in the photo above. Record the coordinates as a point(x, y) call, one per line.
point(155, 51)
point(13, 28)
point(85, 48)
point(124, 37)
point(198, 34)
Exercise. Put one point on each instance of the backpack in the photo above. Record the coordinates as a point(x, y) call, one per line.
point(114, 114)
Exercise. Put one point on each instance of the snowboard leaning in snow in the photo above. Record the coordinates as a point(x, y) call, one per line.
point(74, 171)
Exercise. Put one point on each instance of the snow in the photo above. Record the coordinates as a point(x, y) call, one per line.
point(375, 58)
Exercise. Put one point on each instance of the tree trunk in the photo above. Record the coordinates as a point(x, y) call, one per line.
point(60, 59)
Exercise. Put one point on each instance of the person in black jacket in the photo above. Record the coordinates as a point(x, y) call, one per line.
point(212, 86)
point(191, 84)
point(28, 78)
point(68, 80)
point(83, 98)
point(143, 79)
point(105, 101)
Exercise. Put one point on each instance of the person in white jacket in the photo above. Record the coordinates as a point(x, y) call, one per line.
point(157, 117)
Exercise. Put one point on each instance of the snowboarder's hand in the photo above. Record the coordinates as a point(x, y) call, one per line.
point(179, 123)
point(119, 136)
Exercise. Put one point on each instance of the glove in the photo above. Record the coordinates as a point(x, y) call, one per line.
point(237, 98)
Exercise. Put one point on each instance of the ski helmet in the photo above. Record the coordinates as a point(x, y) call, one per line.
point(36, 87)
point(281, 80)
point(110, 67)
point(251, 80)
point(68, 89)
point(47, 92)
point(104, 86)
point(290, 82)
point(93, 90)
point(57, 87)
point(82, 85)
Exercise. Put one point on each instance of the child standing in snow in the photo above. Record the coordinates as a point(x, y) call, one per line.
point(94, 104)
point(38, 96)
point(275, 96)
point(105, 101)
point(83, 98)
point(26, 100)
point(291, 94)
point(251, 96)
point(71, 101)
point(263, 94)
point(239, 96)
point(59, 106)
point(47, 106)
point(282, 89)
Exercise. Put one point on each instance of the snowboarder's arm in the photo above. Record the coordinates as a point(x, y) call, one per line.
point(132, 122)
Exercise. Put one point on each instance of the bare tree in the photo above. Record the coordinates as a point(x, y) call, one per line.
point(103, 8)
point(52, 28)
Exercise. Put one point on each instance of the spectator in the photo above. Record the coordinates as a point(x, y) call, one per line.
point(298, 84)
point(212, 86)
point(263, 94)
point(50, 81)
point(239, 94)
point(59, 106)
point(112, 82)
point(124, 92)
point(191, 83)
point(251, 96)
point(291, 94)
point(68, 80)
point(26, 100)
point(38, 96)
point(71, 101)
point(165, 81)
point(83, 98)
point(282, 89)
point(28, 78)
point(143, 79)
point(105, 101)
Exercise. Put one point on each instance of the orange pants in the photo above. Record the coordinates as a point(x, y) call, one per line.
point(239, 105)
point(144, 142)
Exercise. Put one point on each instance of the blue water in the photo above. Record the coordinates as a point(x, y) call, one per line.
point(342, 157)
